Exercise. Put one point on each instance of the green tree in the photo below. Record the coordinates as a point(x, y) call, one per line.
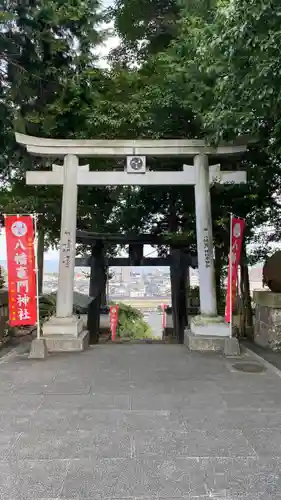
point(48, 86)
point(49, 74)
point(242, 49)
point(191, 88)
point(153, 104)
point(237, 55)
point(144, 27)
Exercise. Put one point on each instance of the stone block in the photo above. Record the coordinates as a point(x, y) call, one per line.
point(192, 443)
point(267, 298)
point(209, 326)
point(104, 322)
point(130, 478)
point(275, 317)
point(264, 326)
point(71, 326)
point(265, 401)
point(81, 302)
point(267, 329)
point(67, 343)
point(266, 442)
point(33, 479)
point(89, 402)
point(38, 349)
point(39, 444)
point(7, 442)
point(84, 318)
point(231, 347)
point(169, 321)
point(264, 314)
point(203, 343)
point(243, 479)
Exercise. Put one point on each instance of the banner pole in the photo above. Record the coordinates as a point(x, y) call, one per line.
point(36, 272)
point(230, 277)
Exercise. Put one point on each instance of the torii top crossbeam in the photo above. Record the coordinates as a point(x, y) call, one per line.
point(146, 147)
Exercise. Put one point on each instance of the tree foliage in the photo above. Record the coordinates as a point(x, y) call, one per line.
point(242, 47)
point(202, 85)
point(239, 53)
point(202, 68)
point(48, 73)
point(145, 27)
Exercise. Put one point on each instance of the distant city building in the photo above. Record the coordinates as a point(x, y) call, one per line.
point(136, 282)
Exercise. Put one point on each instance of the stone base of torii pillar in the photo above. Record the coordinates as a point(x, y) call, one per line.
point(206, 333)
point(65, 334)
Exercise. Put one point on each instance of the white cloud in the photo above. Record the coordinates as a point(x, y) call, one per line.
point(110, 43)
point(104, 50)
point(50, 255)
point(107, 3)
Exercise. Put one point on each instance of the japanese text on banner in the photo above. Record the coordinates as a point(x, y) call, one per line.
point(164, 315)
point(237, 230)
point(113, 320)
point(21, 270)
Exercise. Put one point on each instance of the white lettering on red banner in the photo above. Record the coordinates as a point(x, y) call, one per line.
point(113, 315)
point(21, 270)
point(237, 230)
point(164, 315)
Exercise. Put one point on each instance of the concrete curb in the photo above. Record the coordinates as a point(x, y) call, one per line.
point(266, 363)
point(15, 351)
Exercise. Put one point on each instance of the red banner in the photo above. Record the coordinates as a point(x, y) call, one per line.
point(21, 270)
point(164, 315)
point(113, 314)
point(237, 230)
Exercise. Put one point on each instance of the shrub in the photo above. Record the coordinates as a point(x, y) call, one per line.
point(47, 306)
point(131, 323)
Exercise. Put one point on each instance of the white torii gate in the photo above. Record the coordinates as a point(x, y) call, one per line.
point(64, 331)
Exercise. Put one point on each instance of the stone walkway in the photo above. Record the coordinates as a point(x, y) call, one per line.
point(138, 422)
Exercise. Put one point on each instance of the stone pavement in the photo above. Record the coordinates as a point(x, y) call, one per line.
point(138, 422)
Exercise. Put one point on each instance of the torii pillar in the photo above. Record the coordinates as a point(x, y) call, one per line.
point(64, 332)
point(208, 323)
